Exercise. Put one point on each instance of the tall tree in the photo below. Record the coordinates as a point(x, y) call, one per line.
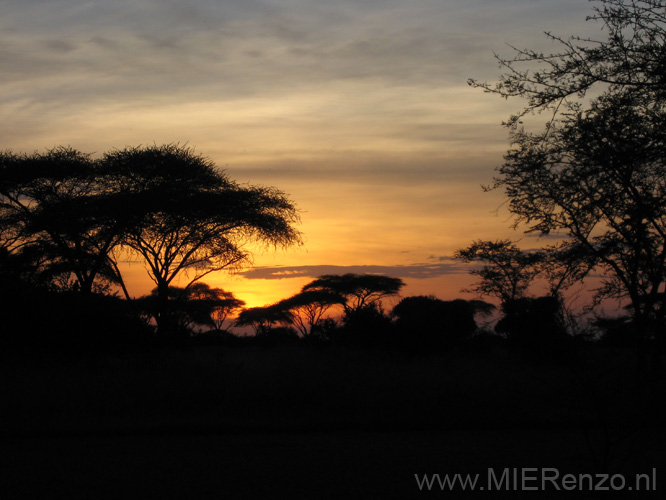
point(55, 203)
point(599, 177)
point(190, 219)
point(507, 270)
point(596, 173)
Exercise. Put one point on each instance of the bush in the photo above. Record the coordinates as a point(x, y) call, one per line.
point(366, 326)
point(536, 324)
point(426, 322)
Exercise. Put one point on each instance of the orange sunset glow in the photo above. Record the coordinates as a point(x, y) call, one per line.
point(332, 249)
point(360, 112)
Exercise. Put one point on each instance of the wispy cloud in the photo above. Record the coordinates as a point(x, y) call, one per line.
point(415, 271)
point(358, 109)
point(232, 49)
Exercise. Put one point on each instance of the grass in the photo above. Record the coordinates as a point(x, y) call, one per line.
point(302, 387)
point(248, 419)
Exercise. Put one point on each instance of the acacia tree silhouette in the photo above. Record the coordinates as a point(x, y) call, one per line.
point(55, 205)
point(190, 219)
point(306, 309)
point(198, 304)
point(262, 319)
point(224, 303)
point(507, 271)
point(357, 290)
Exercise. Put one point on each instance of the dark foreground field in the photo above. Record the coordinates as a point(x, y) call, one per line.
point(320, 423)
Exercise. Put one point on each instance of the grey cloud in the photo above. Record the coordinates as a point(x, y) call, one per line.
point(66, 55)
point(415, 271)
point(59, 46)
point(104, 42)
point(235, 48)
point(449, 132)
point(354, 169)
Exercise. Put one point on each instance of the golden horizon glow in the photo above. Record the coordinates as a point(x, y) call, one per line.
point(359, 111)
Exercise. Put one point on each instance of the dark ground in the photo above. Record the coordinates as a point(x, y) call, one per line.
point(319, 423)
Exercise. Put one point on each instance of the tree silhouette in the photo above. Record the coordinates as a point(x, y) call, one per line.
point(55, 203)
point(306, 309)
point(262, 319)
point(534, 323)
point(190, 219)
point(224, 303)
point(428, 322)
point(631, 58)
point(508, 270)
point(598, 177)
point(595, 174)
point(357, 290)
point(197, 304)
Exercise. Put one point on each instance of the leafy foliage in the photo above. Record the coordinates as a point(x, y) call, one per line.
point(600, 178)
point(65, 216)
point(190, 219)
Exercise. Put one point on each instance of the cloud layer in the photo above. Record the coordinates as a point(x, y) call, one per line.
point(415, 271)
point(358, 109)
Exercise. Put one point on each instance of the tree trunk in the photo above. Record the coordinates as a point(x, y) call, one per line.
point(162, 316)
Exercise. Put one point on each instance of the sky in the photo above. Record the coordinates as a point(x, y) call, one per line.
point(358, 110)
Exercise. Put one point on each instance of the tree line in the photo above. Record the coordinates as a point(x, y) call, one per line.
point(592, 176)
point(422, 322)
point(67, 218)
